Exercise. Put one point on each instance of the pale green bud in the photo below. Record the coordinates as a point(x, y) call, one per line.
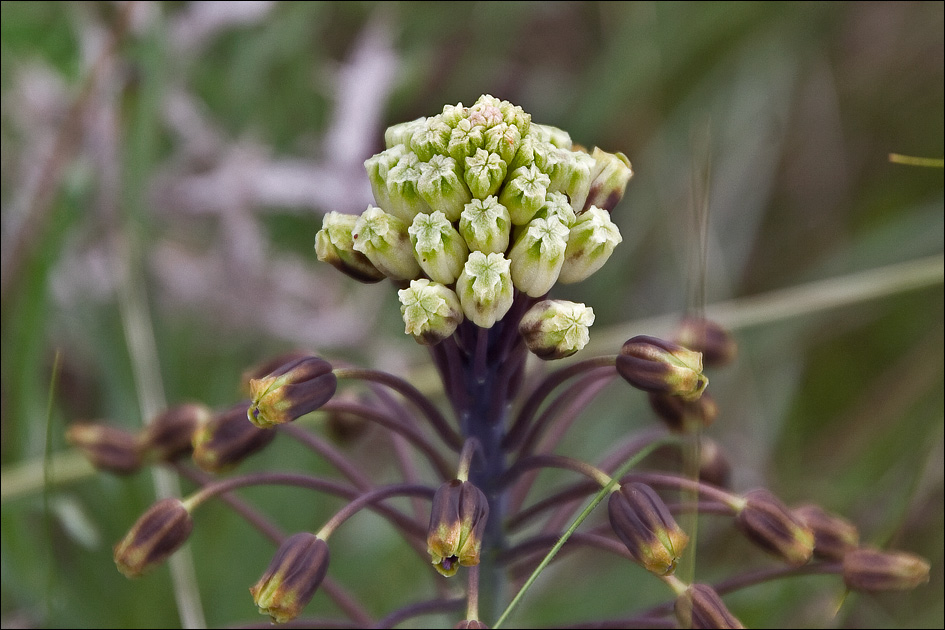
point(378, 166)
point(439, 248)
point(485, 224)
point(465, 138)
point(554, 329)
point(452, 114)
point(557, 205)
point(442, 187)
point(383, 238)
point(431, 311)
point(525, 156)
point(547, 133)
point(516, 116)
point(485, 288)
point(334, 244)
point(403, 132)
point(485, 173)
point(503, 139)
point(431, 139)
point(402, 182)
point(537, 256)
point(609, 179)
point(572, 176)
point(524, 194)
point(591, 242)
point(486, 111)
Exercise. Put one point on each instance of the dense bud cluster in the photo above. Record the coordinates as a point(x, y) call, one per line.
point(478, 204)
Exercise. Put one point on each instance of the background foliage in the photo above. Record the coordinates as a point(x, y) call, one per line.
point(164, 169)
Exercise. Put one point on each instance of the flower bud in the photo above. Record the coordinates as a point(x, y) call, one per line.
point(403, 188)
point(465, 139)
point(486, 111)
point(227, 439)
point(525, 193)
point(431, 139)
point(486, 226)
point(834, 536)
point(874, 570)
point(291, 391)
point(431, 311)
point(702, 335)
point(609, 179)
point(383, 238)
point(663, 367)
point(453, 114)
point(699, 606)
point(537, 256)
point(108, 448)
point(554, 329)
point(768, 523)
point(334, 244)
point(294, 574)
point(485, 288)
point(556, 205)
point(378, 166)
point(572, 176)
point(592, 240)
point(642, 521)
point(438, 247)
point(160, 531)
point(170, 434)
point(485, 173)
point(441, 185)
point(553, 135)
point(684, 416)
point(402, 133)
point(270, 365)
point(503, 139)
point(457, 521)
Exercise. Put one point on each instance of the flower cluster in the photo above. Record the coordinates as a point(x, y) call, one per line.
point(479, 213)
point(473, 205)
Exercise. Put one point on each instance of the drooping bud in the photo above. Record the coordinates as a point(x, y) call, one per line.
point(660, 366)
point(431, 311)
point(228, 438)
point(438, 247)
point(160, 531)
point(874, 570)
point(524, 193)
point(684, 416)
point(642, 521)
point(378, 166)
point(699, 606)
point(457, 521)
point(486, 226)
point(609, 179)
point(702, 335)
point(485, 173)
point(291, 391)
point(170, 434)
point(403, 188)
point(834, 535)
point(270, 365)
point(592, 240)
point(383, 238)
point(108, 448)
point(538, 255)
point(441, 185)
point(485, 288)
point(768, 523)
point(294, 574)
point(554, 329)
point(334, 244)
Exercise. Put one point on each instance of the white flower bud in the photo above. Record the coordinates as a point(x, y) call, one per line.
point(439, 248)
point(591, 242)
point(486, 226)
point(485, 173)
point(384, 240)
point(442, 187)
point(485, 288)
point(431, 311)
point(334, 244)
point(402, 182)
point(537, 256)
point(403, 132)
point(554, 329)
point(378, 166)
point(524, 194)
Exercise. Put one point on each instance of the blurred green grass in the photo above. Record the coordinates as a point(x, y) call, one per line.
point(778, 116)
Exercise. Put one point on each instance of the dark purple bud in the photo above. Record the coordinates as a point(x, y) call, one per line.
point(294, 574)
point(108, 448)
point(291, 391)
point(642, 521)
point(767, 522)
point(699, 606)
point(156, 535)
point(663, 367)
point(227, 439)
